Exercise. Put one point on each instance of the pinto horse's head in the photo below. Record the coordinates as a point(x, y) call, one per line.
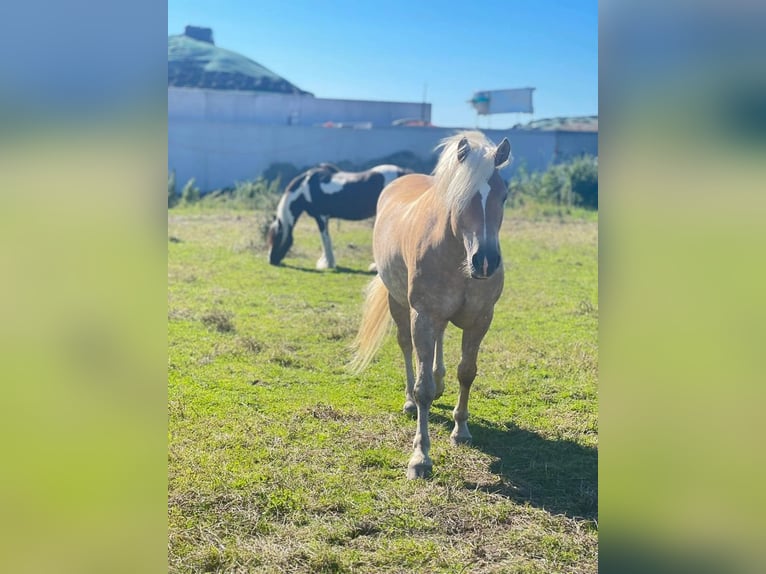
point(476, 196)
point(293, 202)
point(279, 238)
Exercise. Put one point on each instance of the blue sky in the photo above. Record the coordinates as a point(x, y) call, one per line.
point(390, 50)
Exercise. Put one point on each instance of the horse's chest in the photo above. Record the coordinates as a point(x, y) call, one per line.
point(478, 302)
point(461, 301)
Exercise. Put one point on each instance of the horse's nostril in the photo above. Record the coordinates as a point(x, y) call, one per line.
point(476, 261)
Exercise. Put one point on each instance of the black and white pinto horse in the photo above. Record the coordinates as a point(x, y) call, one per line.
point(324, 192)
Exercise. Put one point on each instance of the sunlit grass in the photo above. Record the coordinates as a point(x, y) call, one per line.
point(281, 461)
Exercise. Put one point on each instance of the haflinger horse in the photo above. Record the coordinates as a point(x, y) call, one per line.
point(323, 192)
point(437, 251)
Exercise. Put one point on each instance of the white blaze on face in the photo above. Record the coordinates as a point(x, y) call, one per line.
point(484, 192)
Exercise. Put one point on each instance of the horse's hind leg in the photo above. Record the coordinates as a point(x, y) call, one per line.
point(401, 317)
point(327, 261)
point(466, 373)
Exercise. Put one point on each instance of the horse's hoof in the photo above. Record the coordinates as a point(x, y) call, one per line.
point(373, 268)
point(457, 439)
point(421, 470)
point(411, 409)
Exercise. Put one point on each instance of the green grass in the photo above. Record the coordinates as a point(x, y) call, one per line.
point(281, 461)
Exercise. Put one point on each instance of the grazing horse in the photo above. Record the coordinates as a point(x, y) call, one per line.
point(437, 250)
point(324, 192)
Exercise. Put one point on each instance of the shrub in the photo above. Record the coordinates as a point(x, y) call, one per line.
point(584, 181)
point(172, 191)
point(574, 183)
point(257, 194)
point(190, 192)
point(283, 171)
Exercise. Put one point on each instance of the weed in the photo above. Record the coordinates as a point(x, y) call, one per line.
point(219, 320)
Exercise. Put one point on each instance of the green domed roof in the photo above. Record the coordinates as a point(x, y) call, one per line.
point(195, 62)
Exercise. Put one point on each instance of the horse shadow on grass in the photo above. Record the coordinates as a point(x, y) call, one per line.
point(337, 269)
point(558, 476)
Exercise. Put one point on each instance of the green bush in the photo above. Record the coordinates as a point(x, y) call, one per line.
point(258, 194)
point(574, 183)
point(190, 192)
point(172, 191)
point(284, 171)
point(584, 181)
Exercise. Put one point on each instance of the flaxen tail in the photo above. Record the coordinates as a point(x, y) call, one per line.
point(376, 321)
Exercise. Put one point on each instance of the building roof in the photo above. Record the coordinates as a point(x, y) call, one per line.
point(575, 124)
point(194, 61)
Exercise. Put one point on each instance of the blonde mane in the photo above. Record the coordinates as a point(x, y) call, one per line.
point(456, 181)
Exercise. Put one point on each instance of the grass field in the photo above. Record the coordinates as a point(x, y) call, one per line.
point(279, 460)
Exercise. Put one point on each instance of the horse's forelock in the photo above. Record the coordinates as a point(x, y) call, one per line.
point(457, 180)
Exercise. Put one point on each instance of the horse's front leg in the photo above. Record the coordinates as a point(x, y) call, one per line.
point(466, 373)
point(439, 369)
point(327, 261)
point(425, 333)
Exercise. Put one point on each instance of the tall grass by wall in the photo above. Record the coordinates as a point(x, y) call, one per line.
point(570, 184)
point(258, 194)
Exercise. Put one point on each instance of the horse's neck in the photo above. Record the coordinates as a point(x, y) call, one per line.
point(441, 234)
point(298, 207)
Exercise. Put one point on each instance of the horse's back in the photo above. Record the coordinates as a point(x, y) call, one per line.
point(404, 190)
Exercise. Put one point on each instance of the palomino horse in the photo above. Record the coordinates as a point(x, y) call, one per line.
point(324, 192)
point(438, 256)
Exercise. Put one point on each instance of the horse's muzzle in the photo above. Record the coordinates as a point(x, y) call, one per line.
point(484, 263)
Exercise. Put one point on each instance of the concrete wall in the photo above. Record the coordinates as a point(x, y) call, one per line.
point(285, 109)
point(218, 153)
point(575, 144)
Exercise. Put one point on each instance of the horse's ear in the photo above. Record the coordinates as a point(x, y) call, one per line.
point(502, 153)
point(462, 150)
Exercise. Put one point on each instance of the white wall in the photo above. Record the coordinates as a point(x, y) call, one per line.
point(218, 154)
point(219, 138)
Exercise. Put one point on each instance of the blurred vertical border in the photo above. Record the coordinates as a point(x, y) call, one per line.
point(682, 97)
point(83, 138)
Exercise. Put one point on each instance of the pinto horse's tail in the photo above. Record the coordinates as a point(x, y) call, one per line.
point(376, 321)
